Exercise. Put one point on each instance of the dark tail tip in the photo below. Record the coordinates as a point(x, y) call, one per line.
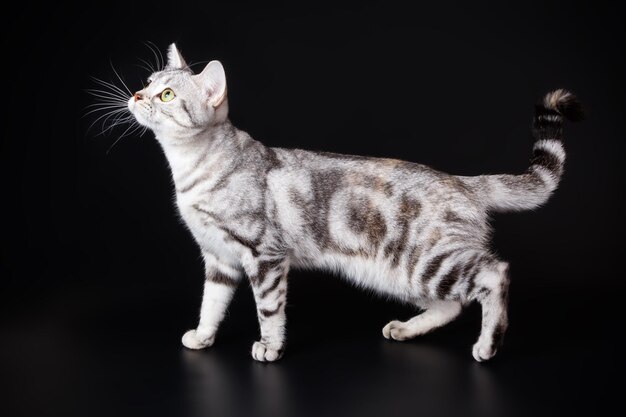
point(565, 103)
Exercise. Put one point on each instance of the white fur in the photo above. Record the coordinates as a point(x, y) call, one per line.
point(436, 315)
point(215, 300)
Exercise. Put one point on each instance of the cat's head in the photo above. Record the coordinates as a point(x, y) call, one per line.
point(178, 104)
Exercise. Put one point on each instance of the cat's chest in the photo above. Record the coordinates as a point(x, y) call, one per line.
point(204, 224)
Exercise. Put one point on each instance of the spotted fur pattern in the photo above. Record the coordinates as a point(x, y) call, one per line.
point(396, 227)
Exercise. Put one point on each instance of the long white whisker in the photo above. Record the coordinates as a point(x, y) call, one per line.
point(109, 85)
point(116, 116)
point(101, 103)
point(136, 129)
point(108, 100)
point(103, 116)
point(197, 63)
point(148, 65)
point(133, 126)
point(105, 93)
point(117, 107)
point(143, 67)
point(120, 78)
point(114, 143)
point(160, 54)
point(109, 91)
point(156, 57)
point(117, 120)
point(114, 125)
point(91, 126)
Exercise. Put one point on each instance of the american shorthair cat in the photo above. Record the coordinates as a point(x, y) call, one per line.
point(402, 229)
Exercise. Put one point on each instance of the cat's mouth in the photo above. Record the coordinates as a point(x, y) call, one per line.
point(140, 110)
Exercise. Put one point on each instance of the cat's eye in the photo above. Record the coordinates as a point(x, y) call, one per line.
point(167, 95)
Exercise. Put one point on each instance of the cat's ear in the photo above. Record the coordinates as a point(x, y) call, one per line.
point(175, 59)
point(213, 79)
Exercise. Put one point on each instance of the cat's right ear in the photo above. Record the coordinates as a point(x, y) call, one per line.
point(175, 59)
point(213, 80)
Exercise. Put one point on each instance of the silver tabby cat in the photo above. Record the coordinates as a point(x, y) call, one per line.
point(402, 229)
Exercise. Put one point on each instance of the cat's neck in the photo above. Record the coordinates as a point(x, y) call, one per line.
point(210, 151)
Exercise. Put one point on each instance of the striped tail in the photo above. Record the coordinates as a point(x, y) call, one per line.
point(533, 188)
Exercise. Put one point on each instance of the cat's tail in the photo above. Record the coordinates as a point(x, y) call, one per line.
point(533, 188)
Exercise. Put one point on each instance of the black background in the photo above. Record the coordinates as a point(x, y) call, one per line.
point(100, 278)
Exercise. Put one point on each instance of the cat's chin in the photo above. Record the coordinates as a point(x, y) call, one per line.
point(132, 107)
point(142, 122)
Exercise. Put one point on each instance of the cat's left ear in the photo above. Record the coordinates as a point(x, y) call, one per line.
point(213, 80)
point(175, 59)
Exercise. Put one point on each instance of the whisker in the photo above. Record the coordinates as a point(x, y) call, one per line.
point(118, 120)
point(143, 67)
point(102, 103)
point(116, 117)
point(114, 143)
point(120, 78)
point(197, 63)
point(160, 54)
point(109, 85)
point(133, 126)
point(151, 68)
point(102, 116)
point(110, 106)
point(108, 100)
point(156, 57)
point(100, 93)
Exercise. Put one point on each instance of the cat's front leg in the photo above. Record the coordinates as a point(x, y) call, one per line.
point(219, 287)
point(268, 278)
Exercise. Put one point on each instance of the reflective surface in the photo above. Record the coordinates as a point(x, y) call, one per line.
point(94, 352)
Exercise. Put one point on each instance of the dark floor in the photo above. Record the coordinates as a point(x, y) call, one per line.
point(95, 351)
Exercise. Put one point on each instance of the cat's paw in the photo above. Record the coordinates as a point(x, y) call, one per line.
point(483, 350)
point(264, 353)
point(193, 340)
point(396, 330)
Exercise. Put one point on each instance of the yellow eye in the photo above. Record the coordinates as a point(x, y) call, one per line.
point(167, 95)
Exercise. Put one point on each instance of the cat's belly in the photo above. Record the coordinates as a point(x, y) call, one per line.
point(372, 273)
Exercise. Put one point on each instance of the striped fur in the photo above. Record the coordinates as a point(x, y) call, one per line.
point(533, 188)
point(399, 228)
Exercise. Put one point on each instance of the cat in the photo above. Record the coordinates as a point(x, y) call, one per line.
point(402, 229)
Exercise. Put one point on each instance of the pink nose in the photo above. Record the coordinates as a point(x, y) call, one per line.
point(137, 96)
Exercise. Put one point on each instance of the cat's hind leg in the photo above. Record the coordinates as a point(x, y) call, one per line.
point(437, 314)
point(491, 290)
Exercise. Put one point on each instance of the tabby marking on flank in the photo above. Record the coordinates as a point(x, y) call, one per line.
point(402, 229)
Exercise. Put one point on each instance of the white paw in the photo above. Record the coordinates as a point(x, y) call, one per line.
point(263, 353)
point(396, 330)
point(482, 350)
point(192, 340)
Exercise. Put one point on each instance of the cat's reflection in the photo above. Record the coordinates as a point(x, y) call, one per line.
point(442, 381)
point(402, 376)
point(220, 386)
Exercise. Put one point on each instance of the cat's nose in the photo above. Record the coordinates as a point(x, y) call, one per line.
point(137, 96)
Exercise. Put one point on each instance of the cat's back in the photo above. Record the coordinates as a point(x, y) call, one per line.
point(332, 197)
point(386, 175)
